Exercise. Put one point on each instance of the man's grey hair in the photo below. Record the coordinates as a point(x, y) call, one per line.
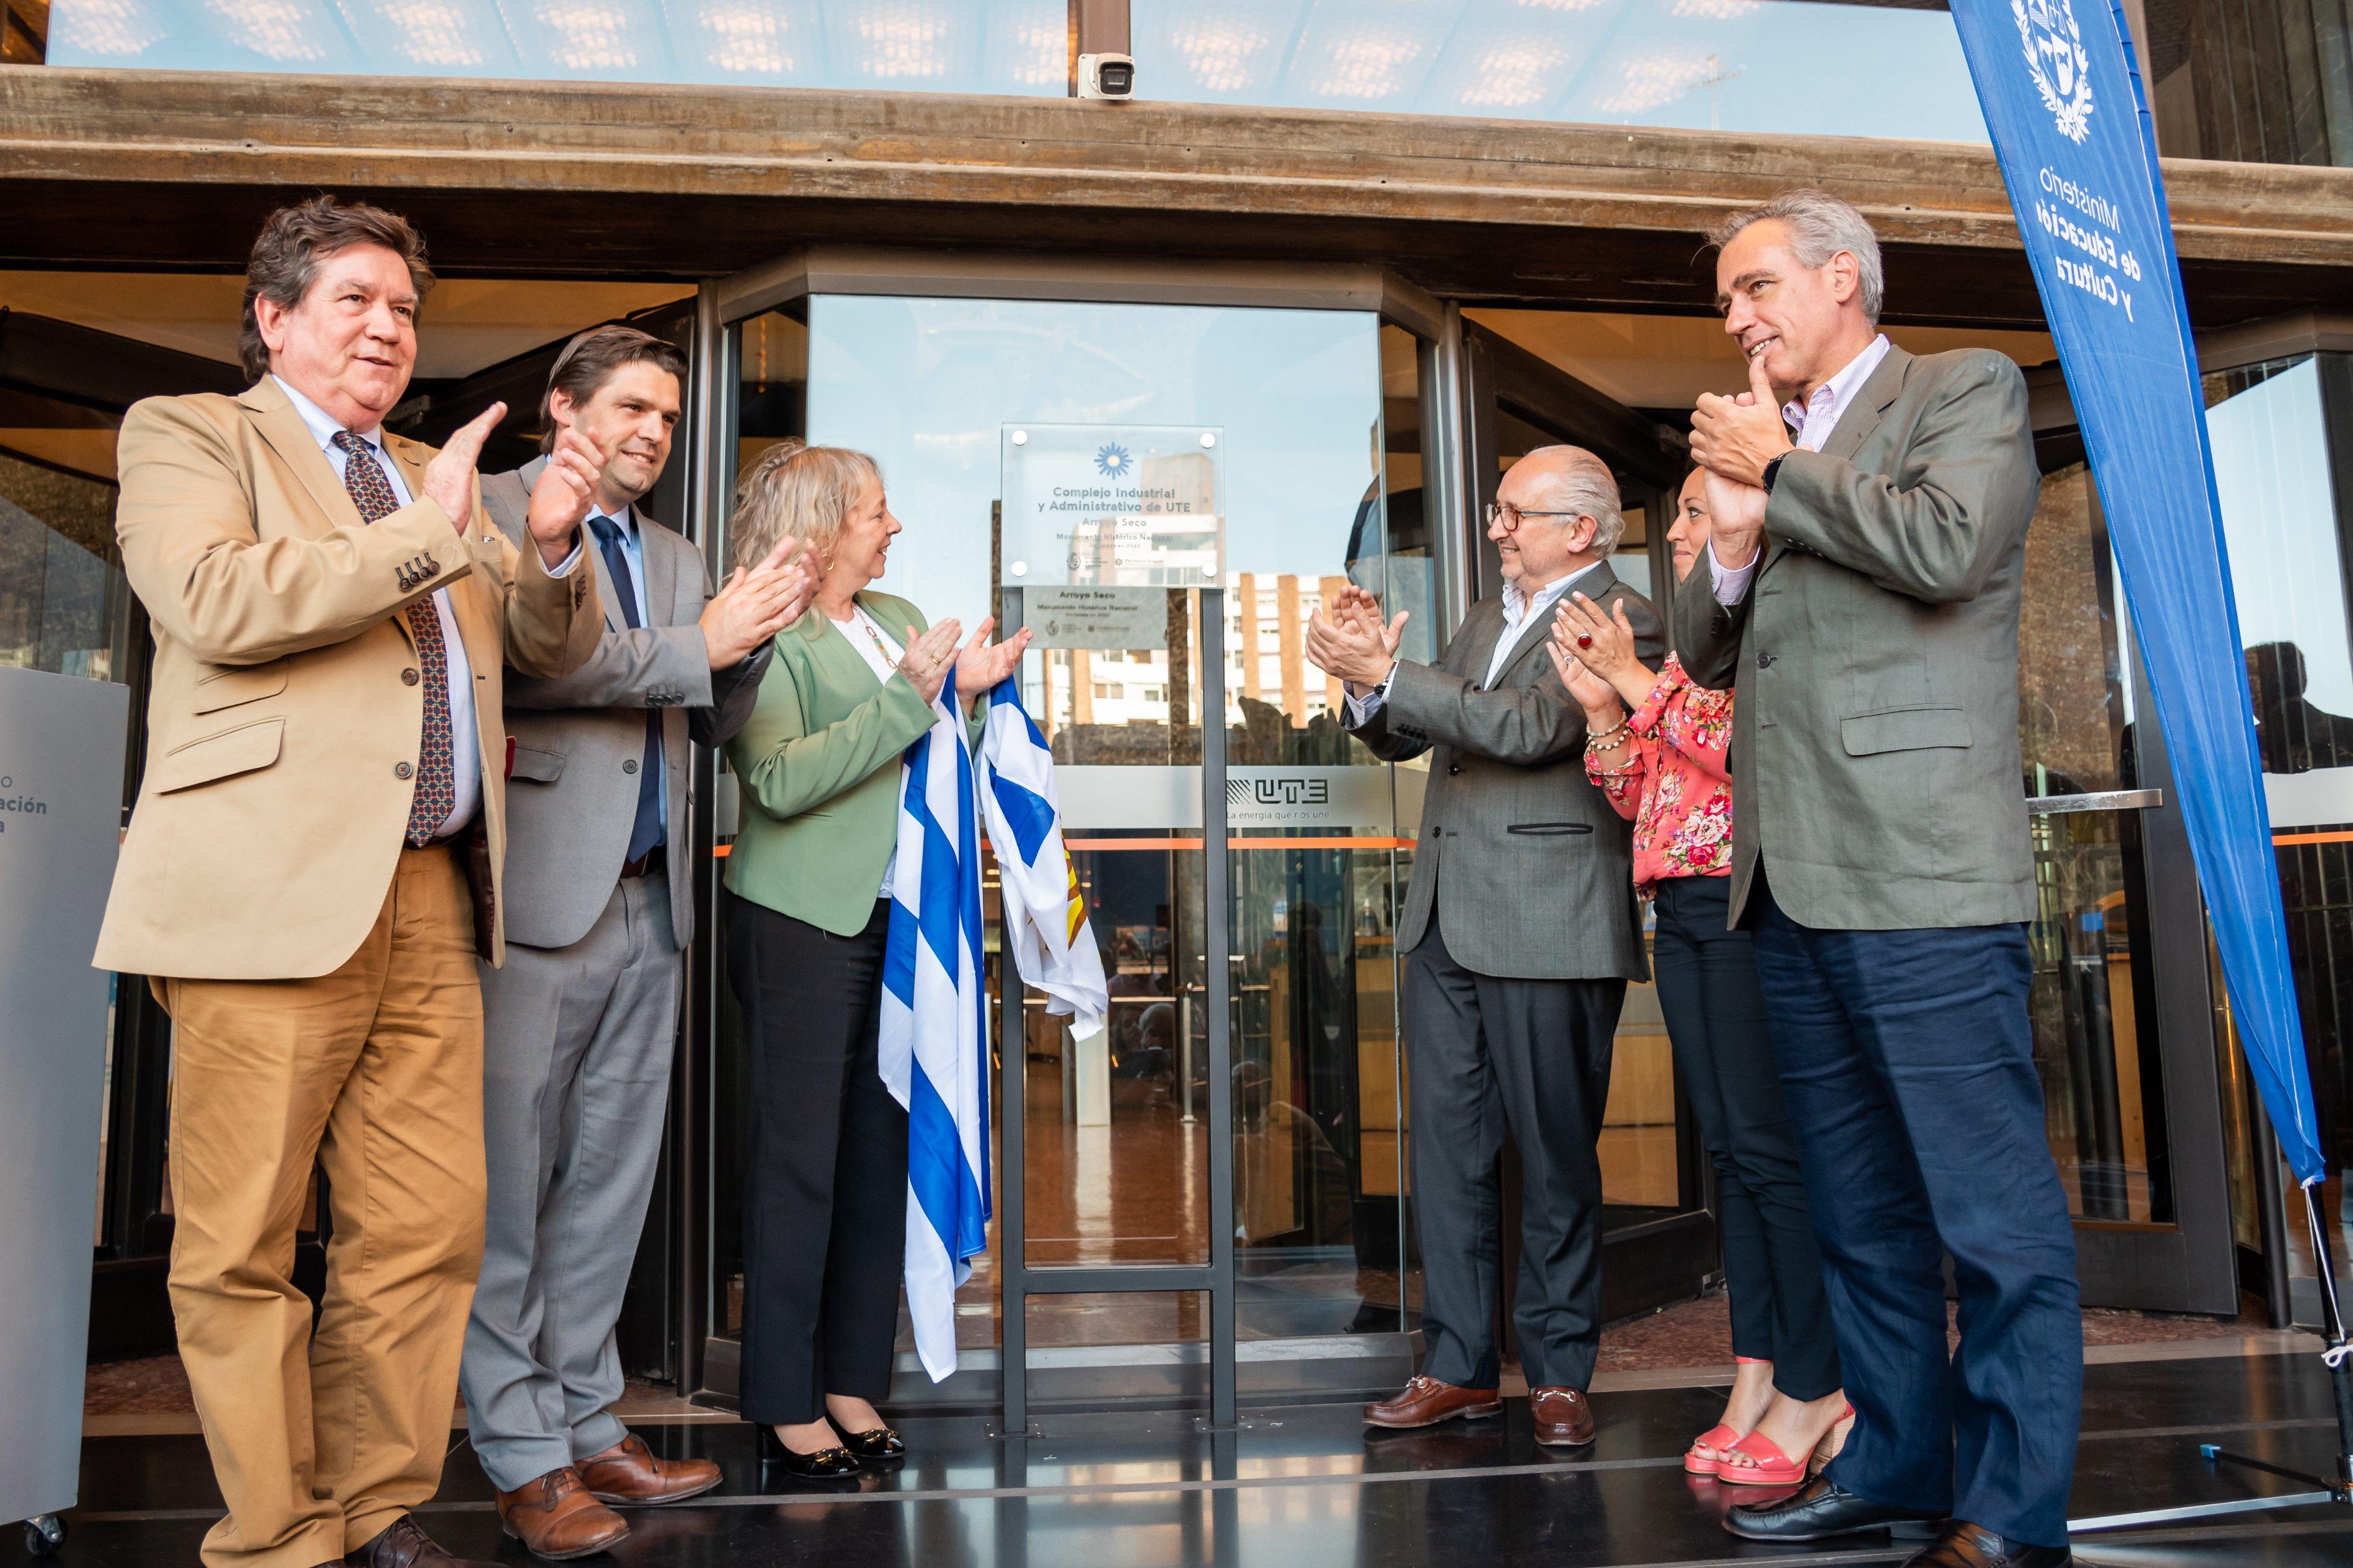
point(1819, 226)
point(1584, 485)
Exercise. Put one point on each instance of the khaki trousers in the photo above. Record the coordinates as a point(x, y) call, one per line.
point(322, 1440)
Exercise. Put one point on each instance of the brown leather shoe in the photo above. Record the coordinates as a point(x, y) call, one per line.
point(629, 1472)
point(1425, 1402)
point(403, 1543)
point(1563, 1418)
point(556, 1518)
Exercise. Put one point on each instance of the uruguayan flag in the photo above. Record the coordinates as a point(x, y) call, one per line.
point(1044, 919)
point(934, 1036)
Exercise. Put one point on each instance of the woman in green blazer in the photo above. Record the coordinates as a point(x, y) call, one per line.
point(854, 683)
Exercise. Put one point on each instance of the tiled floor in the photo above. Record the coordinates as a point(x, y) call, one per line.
point(1306, 1487)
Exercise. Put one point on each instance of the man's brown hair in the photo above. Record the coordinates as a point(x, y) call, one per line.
point(296, 239)
point(588, 361)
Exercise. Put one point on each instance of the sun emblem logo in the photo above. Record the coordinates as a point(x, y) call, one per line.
point(1112, 462)
point(2055, 57)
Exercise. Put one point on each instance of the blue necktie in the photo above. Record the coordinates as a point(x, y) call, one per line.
point(650, 829)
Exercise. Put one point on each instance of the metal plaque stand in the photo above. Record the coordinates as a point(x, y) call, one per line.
point(2323, 1489)
point(1019, 1280)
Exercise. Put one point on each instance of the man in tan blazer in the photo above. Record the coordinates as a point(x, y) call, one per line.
point(326, 776)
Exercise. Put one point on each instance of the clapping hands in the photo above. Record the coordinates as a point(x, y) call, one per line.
point(982, 664)
point(758, 602)
point(1352, 642)
point(1734, 439)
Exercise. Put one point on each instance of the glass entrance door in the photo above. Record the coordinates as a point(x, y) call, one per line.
point(2122, 1019)
point(1660, 1242)
point(1151, 487)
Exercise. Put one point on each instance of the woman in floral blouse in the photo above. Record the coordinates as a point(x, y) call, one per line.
point(1663, 766)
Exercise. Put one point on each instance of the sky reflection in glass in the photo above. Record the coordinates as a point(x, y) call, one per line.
point(1015, 47)
point(1778, 66)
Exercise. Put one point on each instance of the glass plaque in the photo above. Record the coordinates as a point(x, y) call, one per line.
point(1114, 505)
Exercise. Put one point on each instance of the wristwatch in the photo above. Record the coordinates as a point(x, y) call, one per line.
point(1772, 472)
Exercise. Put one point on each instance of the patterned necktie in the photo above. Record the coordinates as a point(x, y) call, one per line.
point(436, 772)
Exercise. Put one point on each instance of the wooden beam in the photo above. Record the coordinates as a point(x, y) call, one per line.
point(146, 169)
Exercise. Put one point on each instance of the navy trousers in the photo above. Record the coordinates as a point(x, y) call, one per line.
point(1907, 1068)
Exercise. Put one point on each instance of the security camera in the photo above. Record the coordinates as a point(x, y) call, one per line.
point(1107, 76)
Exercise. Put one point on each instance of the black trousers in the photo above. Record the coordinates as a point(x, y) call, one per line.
point(825, 1187)
point(1487, 1054)
point(1715, 1022)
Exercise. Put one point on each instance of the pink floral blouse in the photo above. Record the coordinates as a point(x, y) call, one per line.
point(1675, 788)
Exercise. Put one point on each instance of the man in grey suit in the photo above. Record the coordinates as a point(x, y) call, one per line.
point(1870, 529)
point(1509, 1008)
point(578, 1026)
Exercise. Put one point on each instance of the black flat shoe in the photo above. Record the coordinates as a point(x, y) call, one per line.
point(1821, 1509)
point(882, 1443)
point(834, 1464)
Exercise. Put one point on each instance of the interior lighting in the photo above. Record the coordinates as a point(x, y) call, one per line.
point(1226, 52)
point(1368, 65)
point(276, 30)
point(902, 41)
point(1041, 50)
point(746, 36)
point(433, 32)
point(1514, 76)
point(588, 35)
point(111, 27)
point(1648, 80)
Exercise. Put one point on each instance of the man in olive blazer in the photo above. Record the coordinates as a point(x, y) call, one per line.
point(327, 759)
point(1520, 933)
point(1869, 511)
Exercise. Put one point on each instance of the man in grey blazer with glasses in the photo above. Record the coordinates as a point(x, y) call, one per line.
point(579, 1025)
point(1863, 590)
point(1519, 932)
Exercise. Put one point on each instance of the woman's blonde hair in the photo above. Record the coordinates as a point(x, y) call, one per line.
point(795, 490)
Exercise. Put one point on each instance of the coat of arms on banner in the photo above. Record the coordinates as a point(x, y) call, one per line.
point(2055, 54)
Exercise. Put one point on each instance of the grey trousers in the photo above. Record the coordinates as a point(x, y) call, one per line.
point(576, 1057)
point(1488, 1055)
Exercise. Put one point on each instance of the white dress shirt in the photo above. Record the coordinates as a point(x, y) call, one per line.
point(1519, 609)
point(882, 653)
point(1810, 424)
point(465, 736)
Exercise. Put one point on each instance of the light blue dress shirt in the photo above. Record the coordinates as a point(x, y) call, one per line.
point(633, 545)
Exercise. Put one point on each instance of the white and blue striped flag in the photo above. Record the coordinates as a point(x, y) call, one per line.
point(934, 1036)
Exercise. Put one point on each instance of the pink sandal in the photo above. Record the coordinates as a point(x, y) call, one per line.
point(1768, 1465)
point(1716, 1440)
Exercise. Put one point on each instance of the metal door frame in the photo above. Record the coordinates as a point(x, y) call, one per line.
point(1018, 1280)
point(723, 305)
point(1669, 1258)
point(2186, 1266)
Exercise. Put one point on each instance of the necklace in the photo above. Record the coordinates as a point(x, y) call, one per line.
point(865, 623)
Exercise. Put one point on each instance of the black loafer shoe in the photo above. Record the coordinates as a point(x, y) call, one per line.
point(1821, 1509)
point(834, 1464)
point(882, 1443)
point(1961, 1545)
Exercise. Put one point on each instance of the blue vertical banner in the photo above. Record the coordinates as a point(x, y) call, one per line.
point(2071, 129)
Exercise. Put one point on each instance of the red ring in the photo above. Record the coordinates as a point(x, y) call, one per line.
point(1583, 640)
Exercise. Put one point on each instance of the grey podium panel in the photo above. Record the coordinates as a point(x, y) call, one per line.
point(61, 810)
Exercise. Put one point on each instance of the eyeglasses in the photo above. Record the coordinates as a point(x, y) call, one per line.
point(1507, 514)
